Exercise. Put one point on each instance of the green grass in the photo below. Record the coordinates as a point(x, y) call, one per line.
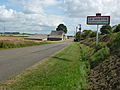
point(63, 71)
point(100, 55)
point(115, 42)
point(22, 43)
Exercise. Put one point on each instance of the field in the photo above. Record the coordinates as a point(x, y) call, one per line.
point(10, 38)
point(19, 41)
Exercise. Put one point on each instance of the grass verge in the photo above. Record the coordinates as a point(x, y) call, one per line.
point(63, 71)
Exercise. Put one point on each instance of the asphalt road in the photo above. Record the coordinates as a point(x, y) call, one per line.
point(13, 61)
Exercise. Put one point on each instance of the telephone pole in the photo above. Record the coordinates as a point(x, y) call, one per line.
point(80, 31)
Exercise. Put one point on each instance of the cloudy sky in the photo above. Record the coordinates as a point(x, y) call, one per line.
point(42, 16)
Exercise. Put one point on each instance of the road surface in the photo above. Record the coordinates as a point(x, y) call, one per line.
point(13, 61)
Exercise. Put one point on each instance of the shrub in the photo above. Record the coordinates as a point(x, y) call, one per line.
point(100, 46)
point(115, 42)
point(100, 54)
point(117, 29)
point(85, 52)
point(107, 29)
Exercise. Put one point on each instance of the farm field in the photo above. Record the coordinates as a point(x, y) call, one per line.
point(10, 38)
point(19, 41)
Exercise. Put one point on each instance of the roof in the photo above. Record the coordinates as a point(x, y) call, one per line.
point(56, 34)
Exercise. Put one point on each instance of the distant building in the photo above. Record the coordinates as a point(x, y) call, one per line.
point(37, 37)
point(56, 36)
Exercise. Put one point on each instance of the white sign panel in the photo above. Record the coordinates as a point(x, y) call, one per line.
point(98, 20)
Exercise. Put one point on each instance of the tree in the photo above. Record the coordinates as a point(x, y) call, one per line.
point(78, 36)
point(117, 29)
point(87, 33)
point(106, 29)
point(93, 34)
point(61, 27)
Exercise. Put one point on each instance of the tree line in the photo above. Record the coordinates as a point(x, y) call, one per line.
point(105, 29)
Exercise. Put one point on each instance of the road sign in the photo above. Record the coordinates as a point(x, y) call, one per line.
point(98, 20)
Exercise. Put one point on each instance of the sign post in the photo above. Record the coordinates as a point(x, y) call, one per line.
point(98, 20)
point(97, 37)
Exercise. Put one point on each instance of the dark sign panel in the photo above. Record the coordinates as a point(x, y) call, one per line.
point(98, 20)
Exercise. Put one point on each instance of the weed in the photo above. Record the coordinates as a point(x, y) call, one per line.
point(100, 54)
point(115, 42)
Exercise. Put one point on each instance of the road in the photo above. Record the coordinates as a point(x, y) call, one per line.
point(14, 61)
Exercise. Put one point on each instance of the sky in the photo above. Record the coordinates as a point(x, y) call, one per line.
point(42, 16)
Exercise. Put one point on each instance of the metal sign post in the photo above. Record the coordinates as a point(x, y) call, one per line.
point(97, 36)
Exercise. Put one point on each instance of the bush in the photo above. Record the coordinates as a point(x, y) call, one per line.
point(117, 29)
point(100, 46)
point(115, 42)
point(107, 29)
point(93, 34)
point(100, 54)
point(85, 52)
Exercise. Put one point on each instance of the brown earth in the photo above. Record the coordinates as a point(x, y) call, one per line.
point(106, 75)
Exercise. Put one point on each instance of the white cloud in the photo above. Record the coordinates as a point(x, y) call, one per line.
point(77, 10)
point(33, 15)
point(6, 14)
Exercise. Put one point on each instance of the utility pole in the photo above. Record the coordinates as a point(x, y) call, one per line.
point(76, 33)
point(80, 31)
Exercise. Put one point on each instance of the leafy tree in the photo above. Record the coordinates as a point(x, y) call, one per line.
point(78, 35)
point(87, 33)
point(106, 29)
point(93, 34)
point(117, 29)
point(61, 27)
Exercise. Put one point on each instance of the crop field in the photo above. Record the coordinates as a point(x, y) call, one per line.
point(19, 41)
point(10, 38)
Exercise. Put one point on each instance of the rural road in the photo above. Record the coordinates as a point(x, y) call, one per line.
point(13, 61)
